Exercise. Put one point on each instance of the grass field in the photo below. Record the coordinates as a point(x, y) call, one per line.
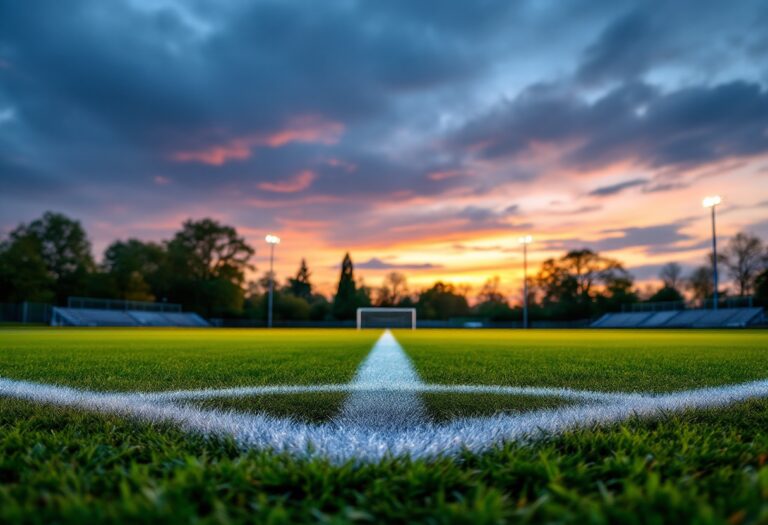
point(66, 465)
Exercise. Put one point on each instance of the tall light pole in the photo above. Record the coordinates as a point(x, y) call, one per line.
point(272, 240)
point(525, 241)
point(712, 202)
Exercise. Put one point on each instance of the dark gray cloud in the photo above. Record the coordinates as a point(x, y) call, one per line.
point(97, 100)
point(645, 272)
point(689, 126)
point(687, 37)
point(660, 238)
point(378, 264)
point(659, 187)
point(625, 49)
point(613, 189)
point(646, 236)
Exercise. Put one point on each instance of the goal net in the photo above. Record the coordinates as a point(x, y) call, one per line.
point(386, 318)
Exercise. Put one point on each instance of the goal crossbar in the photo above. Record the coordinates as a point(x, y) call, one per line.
point(381, 313)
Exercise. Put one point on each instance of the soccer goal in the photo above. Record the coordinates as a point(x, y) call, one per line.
point(386, 318)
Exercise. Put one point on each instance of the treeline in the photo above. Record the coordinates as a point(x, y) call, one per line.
point(204, 265)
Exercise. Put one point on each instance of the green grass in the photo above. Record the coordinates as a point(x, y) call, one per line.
point(447, 406)
point(67, 466)
point(607, 360)
point(316, 407)
point(62, 466)
point(166, 359)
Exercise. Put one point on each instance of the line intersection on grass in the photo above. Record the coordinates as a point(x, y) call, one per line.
point(384, 414)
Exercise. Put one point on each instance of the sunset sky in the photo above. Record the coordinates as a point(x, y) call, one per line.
point(421, 136)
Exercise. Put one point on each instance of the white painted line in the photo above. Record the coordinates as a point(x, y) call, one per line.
point(384, 415)
point(375, 406)
point(340, 442)
point(421, 388)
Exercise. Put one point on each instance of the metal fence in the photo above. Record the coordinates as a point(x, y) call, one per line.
point(707, 304)
point(25, 313)
point(422, 324)
point(119, 304)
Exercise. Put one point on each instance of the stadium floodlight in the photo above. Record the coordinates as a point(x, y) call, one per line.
point(712, 202)
point(382, 317)
point(272, 240)
point(525, 240)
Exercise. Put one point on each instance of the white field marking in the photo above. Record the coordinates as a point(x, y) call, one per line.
point(420, 388)
point(342, 442)
point(361, 437)
point(372, 406)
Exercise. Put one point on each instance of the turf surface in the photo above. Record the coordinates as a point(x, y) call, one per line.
point(606, 360)
point(62, 466)
point(315, 407)
point(447, 406)
point(167, 359)
point(67, 466)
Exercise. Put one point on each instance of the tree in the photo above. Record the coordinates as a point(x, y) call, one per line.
point(319, 308)
point(300, 286)
point(362, 295)
point(393, 290)
point(569, 285)
point(138, 269)
point(701, 283)
point(671, 275)
point(23, 272)
point(442, 301)
point(491, 291)
point(345, 300)
point(491, 303)
point(207, 262)
point(666, 294)
point(761, 287)
point(205, 249)
point(63, 246)
point(744, 259)
point(617, 292)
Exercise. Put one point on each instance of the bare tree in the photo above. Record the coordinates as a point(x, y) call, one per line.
point(744, 259)
point(393, 290)
point(491, 291)
point(671, 275)
point(700, 283)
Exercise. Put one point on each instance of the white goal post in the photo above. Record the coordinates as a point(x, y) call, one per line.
point(380, 317)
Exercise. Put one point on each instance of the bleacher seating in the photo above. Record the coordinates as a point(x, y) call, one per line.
point(723, 318)
point(185, 319)
point(149, 318)
point(98, 317)
point(658, 319)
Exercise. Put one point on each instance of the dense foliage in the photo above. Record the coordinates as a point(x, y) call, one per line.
point(205, 266)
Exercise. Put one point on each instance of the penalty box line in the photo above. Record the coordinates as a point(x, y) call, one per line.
point(375, 407)
point(343, 442)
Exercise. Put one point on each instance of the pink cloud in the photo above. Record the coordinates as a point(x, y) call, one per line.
point(305, 129)
point(161, 181)
point(310, 129)
point(339, 163)
point(215, 155)
point(301, 181)
point(443, 175)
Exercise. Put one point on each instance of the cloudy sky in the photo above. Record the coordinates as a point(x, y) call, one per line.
point(422, 136)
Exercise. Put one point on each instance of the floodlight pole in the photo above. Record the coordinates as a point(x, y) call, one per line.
point(712, 202)
point(272, 240)
point(714, 258)
point(525, 241)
